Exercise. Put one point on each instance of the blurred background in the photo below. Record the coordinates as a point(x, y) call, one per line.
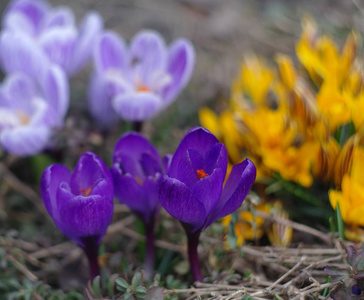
point(222, 32)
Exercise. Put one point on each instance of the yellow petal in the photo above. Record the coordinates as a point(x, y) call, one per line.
point(209, 120)
point(287, 71)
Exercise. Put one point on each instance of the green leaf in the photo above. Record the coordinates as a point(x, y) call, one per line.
point(141, 289)
point(121, 284)
point(128, 296)
point(247, 274)
point(111, 284)
point(39, 163)
point(332, 224)
point(136, 279)
point(140, 295)
point(96, 286)
point(326, 291)
point(340, 223)
point(231, 240)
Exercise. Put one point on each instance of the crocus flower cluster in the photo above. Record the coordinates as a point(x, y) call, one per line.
point(301, 116)
point(313, 123)
point(133, 83)
point(138, 81)
point(39, 47)
point(191, 190)
point(80, 203)
point(29, 111)
point(35, 34)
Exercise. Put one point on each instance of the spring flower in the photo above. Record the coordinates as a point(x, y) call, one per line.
point(35, 34)
point(287, 71)
point(351, 196)
point(344, 159)
point(279, 235)
point(223, 127)
point(321, 57)
point(80, 203)
point(249, 226)
point(325, 161)
point(138, 81)
point(255, 79)
point(305, 124)
point(136, 170)
point(30, 111)
point(192, 191)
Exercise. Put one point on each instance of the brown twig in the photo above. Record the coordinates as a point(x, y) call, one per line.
point(297, 226)
point(22, 188)
point(22, 268)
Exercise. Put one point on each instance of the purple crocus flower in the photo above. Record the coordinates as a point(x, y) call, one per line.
point(192, 191)
point(138, 81)
point(80, 203)
point(35, 34)
point(30, 110)
point(136, 170)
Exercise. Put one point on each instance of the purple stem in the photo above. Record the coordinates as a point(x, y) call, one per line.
point(91, 247)
point(192, 239)
point(138, 126)
point(149, 248)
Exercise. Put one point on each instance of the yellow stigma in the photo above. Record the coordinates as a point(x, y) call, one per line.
point(143, 88)
point(86, 192)
point(23, 117)
point(138, 180)
point(201, 174)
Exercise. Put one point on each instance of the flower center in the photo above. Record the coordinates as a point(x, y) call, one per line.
point(86, 192)
point(201, 174)
point(23, 117)
point(138, 180)
point(143, 88)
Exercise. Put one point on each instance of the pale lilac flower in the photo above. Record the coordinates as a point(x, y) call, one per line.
point(35, 34)
point(29, 111)
point(138, 81)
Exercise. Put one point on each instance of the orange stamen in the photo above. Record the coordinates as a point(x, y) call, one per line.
point(143, 88)
point(86, 192)
point(138, 180)
point(23, 117)
point(201, 174)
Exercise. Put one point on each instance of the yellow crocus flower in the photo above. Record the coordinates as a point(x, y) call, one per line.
point(292, 163)
point(287, 72)
point(324, 161)
point(333, 105)
point(321, 57)
point(254, 80)
point(351, 196)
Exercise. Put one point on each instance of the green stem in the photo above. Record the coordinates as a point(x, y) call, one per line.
point(138, 126)
point(340, 223)
point(297, 191)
